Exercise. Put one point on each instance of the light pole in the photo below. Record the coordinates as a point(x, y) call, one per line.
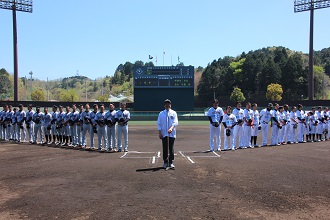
point(31, 73)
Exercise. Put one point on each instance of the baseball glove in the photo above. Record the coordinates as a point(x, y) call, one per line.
point(295, 126)
point(228, 132)
point(49, 128)
point(240, 122)
point(215, 124)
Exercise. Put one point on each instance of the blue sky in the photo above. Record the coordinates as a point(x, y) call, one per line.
point(93, 37)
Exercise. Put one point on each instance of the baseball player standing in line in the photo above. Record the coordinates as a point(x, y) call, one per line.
point(293, 126)
point(275, 124)
point(326, 123)
point(53, 125)
point(93, 125)
point(122, 117)
point(79, 124)
point(74, 116)
point(9, 127)
point(238, 130)
point(256, 124)
point(215, 115)
point(37, 119)
point(248, 126)
point(314, 124)
point(87, 126)
point(29, 123)
point(301, 123)
point(166, 124)
point(46, 121)
point(282, 122)
point(21, 117)
point(101, 128)
point(229, 121)
point(4, 122)
point(59, 125)
point(1, 123)
point(14, 125)
point(265, 116)
point(66, 126)
point(286, 124)
point(320, 119)
point(111, 127)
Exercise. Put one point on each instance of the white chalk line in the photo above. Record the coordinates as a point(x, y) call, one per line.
point(153, 160)
point(216, 154)
point(124, 155)
point(186, 157)
point(190, 160)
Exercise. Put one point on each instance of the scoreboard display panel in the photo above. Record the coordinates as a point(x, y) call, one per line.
point(152, 85)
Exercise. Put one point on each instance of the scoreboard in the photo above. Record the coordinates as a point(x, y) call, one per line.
point(152, 85)
point(164, 76)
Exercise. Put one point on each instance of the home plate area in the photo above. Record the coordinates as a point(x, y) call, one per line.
point(154, 157)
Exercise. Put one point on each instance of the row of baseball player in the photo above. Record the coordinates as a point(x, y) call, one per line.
point(67, 127)
point(288, 126)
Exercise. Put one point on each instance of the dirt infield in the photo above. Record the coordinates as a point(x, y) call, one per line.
point(284, 182)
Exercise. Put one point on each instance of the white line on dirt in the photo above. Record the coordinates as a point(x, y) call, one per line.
point(153, 160)
point(124, 155)
point(190, 160)
point(158, 155)
point(216, 154)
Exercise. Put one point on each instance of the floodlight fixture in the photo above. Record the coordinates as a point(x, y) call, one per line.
point(16, 5)
point(310, 5)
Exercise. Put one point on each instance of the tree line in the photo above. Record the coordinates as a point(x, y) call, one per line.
point(252, 74)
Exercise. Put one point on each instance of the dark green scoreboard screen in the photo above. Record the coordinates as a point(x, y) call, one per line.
point(152, 85)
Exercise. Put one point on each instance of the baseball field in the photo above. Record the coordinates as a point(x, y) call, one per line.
point(282, 182)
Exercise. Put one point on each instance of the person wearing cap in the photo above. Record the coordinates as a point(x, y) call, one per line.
point(66, 127)
point(79, 124)
point(14, 125)
point(122, 117)
point(87, 126)
point(111, 127)
point(282, 122)
point(265, 116)
point(37, 119)
point(21, 117)
point(286, 124)
point(238, 130)
point(93, 125)
point(302, 123)
point(320, 118)
point(166, 124)
point(8, 121)
point(215, 115)
point(46, 122)
point(229, 121)
point(256, 124)
point(59, 125)
point(247, 127)
point(275, 124)
point(1, 123)
point(54, 131)
point(29, 123)
point(326, 125)
point(101, 129)
point(293, 126)
point(73, 119)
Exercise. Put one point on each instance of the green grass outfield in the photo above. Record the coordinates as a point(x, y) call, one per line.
point(154, 123)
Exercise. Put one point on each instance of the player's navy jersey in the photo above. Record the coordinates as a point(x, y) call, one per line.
point(215, 114)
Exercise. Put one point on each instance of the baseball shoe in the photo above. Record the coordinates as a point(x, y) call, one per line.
point(125, 150)
point(164, 165)
point(233, 148)
point(218, 149)
point(172, 166)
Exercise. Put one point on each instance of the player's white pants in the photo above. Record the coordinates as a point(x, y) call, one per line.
point(281, 133)
point(247, 131)
point(9, 131)
point(46, 131)
point(111, 132)
point(79, 134)
point(14, 132)
point(4, 133)
point(91, 136)
point(264, 129)
point(274, 138)
point(255, 130)
point(38, 129)
point(301, 131)
point(320, 128)
point(102, 136)
point(229, 139)
point(31, 132)
point(122, 130)
point(293, 132)
point(1, 130)
point(86, 128)
point(215, 133)
point(328, 129)
point(66, 130)
point(21, 131)
point(74, 135)
point(54, 131)
point(238, 134)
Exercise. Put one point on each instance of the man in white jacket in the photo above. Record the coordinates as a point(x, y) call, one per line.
point(166, 123)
